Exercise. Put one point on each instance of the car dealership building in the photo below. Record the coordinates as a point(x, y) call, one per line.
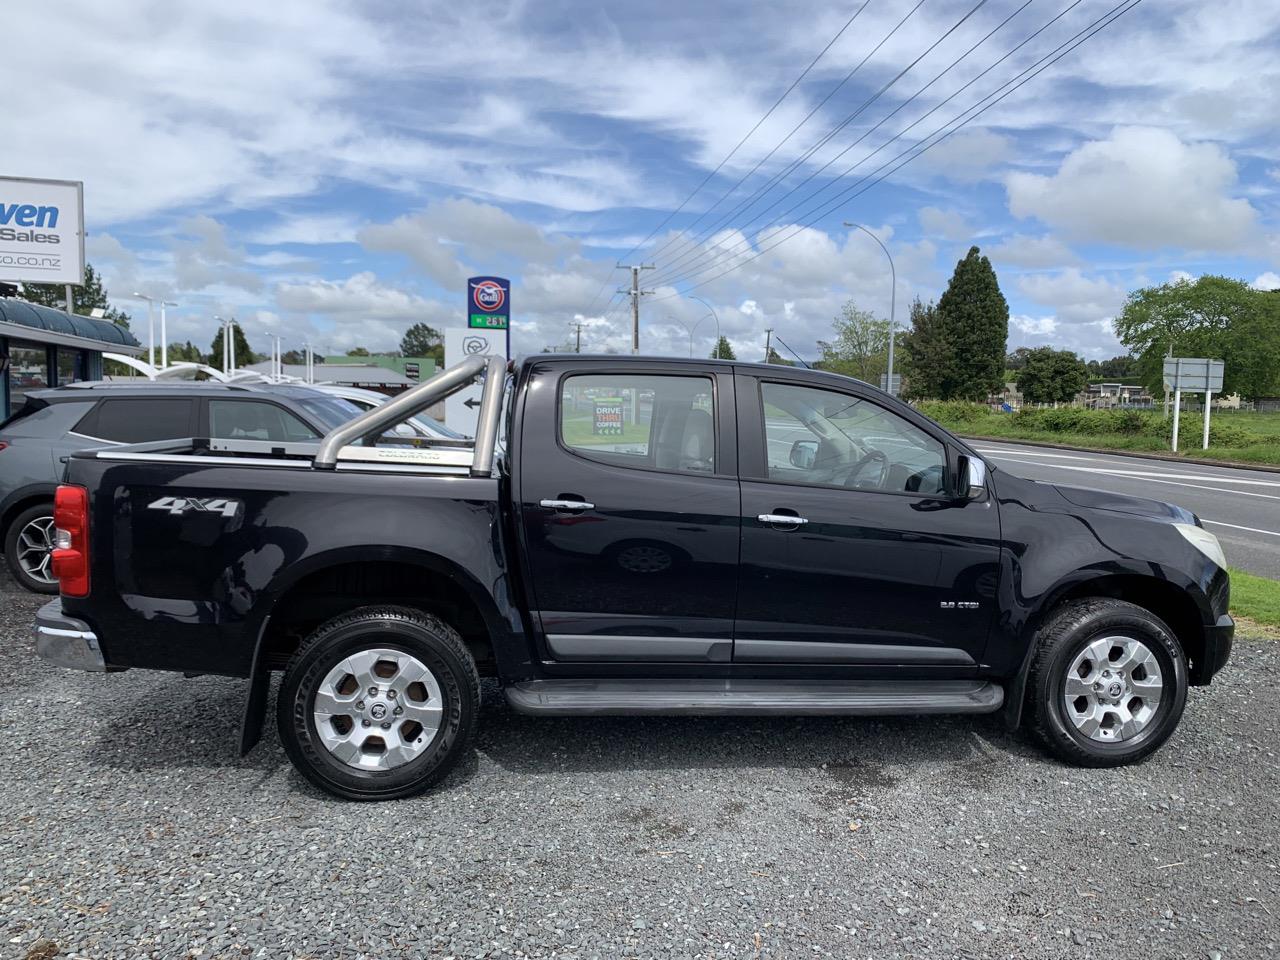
point(44, 347)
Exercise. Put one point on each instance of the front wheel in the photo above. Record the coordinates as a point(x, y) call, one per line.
point(1108, 683)
point(28, 549)
point(379, 704)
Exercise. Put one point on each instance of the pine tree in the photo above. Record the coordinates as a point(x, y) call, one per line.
point(244, 353)
point(90, 295)
point(928, 353)
point(974, 317)
point(723, 350)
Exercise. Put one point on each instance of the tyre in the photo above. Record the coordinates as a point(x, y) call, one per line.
point(1108, 683)
point(28, 549)
point(379, 704)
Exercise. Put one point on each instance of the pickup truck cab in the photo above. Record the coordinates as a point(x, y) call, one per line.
point(633, 536)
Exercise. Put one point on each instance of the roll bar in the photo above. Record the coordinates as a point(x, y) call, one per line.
point(416, 400)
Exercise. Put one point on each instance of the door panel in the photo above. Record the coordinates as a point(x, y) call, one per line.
point(887, 569)
point(634, 556)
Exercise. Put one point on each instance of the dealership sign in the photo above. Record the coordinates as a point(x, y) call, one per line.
point(41, 231)
point(488, 303)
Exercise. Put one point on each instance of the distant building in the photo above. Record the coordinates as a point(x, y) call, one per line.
point(44, 347)
point(1106, 396)
point(416, 369)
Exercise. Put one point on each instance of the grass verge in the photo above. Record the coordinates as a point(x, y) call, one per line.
point(1255, 598)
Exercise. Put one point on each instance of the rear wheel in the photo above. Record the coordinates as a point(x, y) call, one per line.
point(28, 549)
point(379, 704)
point(1108, 683)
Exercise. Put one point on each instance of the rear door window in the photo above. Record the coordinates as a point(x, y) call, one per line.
point(255, 420)
point(140, 419)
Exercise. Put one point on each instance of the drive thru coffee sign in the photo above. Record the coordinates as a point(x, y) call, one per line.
point(488, 303)
point(41, 231)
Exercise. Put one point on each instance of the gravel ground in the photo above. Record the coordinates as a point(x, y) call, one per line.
point(132, 829)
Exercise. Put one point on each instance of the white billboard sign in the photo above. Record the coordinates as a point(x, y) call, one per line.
point(41, 231)
point(462, 410)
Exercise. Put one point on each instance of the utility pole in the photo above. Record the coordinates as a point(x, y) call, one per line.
point(164, 334)
point(635, 293)
point(577, 332)
point(768, 340)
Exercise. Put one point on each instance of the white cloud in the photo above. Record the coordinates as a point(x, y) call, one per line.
point(1036, 253)
point(967, 157)
point(1034, 326)
point(360, 297)
point(1142, 187)
point(943, 223)
point(1077, 299)
point(1270, 280)
point(308, 229)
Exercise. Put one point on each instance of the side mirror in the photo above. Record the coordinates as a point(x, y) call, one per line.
point(804, 454)
point(973, 478)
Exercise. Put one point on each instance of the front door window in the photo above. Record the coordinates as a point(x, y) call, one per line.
point(822, 437)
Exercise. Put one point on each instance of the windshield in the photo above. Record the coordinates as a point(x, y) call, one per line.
point(330, 412)
point(430, 425)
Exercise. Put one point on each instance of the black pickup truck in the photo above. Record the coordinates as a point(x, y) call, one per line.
point(632, 536)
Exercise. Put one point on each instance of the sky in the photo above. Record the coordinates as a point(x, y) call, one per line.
point(332, 172)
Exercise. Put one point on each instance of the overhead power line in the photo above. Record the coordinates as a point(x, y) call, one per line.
point(920, 147)
point(700, 255)
point(729, 156)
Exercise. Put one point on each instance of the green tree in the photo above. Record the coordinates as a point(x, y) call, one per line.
point(422, 340)
point(1212, 316)
point(1017, 360)
point(927, 353)
point(1051, 376)
point(188, 352)
point(244, 353)
point(775, 357)
point(861, 345)
point(91, 295)
point(358, 352)
point(723, 350)
point(974, 318)
point(295, 357)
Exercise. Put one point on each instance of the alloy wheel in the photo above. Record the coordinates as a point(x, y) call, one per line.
point(1113, 689)
point(35, 550)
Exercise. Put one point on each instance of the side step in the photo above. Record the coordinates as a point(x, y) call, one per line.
point(562, 698)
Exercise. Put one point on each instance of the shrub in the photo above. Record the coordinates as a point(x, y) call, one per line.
point(953, 411)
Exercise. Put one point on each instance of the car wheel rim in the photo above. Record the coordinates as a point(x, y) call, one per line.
point(378, 709)
point(1113, 689)
point(35, 550)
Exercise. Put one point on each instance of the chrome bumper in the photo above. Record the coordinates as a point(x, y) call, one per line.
point(67, 642)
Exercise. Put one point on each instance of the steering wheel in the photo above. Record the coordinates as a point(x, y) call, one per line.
point(872, 456)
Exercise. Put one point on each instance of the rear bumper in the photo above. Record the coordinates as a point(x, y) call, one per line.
point(1217, 650)
point(65, 641)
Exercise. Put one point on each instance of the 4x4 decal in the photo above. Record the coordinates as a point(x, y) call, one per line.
point(180, 506)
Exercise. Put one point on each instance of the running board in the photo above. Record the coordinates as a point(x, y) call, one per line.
point(561, 698)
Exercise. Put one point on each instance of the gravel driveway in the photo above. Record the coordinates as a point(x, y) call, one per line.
point(131, 829)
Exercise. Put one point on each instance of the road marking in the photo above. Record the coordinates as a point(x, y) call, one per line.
point(1144, 474)
point(1159, 467)
point(1236, 526)
point(1142, 478)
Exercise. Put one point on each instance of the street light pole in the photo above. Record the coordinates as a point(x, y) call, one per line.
point(151, 327)
point(164, 335)
point(893, 302)
point(715, 316)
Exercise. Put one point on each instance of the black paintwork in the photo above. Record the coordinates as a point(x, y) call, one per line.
point(860, 592)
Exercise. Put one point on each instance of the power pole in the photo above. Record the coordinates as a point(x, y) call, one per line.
point(577, 332)
point(635, 293)
point(768, 340)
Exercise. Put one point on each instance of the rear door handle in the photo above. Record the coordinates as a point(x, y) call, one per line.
point(781, 519)
point(567, 505)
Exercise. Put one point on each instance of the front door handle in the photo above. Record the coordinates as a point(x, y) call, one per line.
point(567, 505)
point(781, 519)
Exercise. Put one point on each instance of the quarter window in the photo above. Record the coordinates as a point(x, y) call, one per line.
point(659, 422)
point(834, 439)
point(255, 420)
point(139, 420)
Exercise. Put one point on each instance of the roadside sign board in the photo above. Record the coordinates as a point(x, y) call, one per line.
point(608, 417)
point(412, 370)
point(462, 410)
point(41, 231)
point(1193, 374)
point(488, 303)
point(891, 385)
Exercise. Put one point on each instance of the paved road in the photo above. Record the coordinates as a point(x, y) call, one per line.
point(1241, 506)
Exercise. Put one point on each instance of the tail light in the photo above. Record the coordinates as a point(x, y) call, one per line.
point(71, 540)
point(4, 444)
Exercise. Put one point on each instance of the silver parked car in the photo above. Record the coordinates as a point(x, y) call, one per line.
point(54, 423)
